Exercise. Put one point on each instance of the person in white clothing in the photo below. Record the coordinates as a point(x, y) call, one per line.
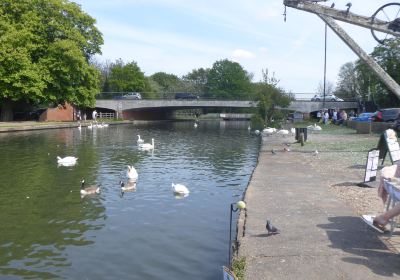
point(94, 115)
point(326, 117)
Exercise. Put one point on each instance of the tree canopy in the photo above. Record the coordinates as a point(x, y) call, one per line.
point(168, 83)
point(227, 79)
point(45, 48)
point(126, 77)
point(358, 80)
point(271, 100)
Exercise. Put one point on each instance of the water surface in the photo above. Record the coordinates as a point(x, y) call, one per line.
point(49, 231)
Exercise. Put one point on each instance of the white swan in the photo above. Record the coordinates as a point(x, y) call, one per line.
point(139, 140)
point(256, 132)
point(105, 124)
point(180, 189)
point(195, 125)
point(269, 130)
point(283, 132)
point(314, 127)
point(90, 126)
point(293, 131)
point(147, 146)
point(90, 189)
point(79, 126)
point(317, 127)
point(67, 161)
point(131, 173)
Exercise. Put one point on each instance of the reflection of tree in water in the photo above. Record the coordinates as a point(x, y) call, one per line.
point(41, 212)
point(34, 236)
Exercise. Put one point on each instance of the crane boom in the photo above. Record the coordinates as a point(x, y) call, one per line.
point(328, 15)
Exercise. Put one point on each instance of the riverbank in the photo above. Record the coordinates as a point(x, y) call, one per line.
point(315, 202)
point(35, 125)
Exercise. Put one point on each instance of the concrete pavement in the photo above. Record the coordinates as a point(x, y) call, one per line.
point(321, 238)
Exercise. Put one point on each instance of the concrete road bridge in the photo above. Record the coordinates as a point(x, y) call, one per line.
point(164, 108)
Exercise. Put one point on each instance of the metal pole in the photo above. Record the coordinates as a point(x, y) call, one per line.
point(230, 236)
point(325, 68)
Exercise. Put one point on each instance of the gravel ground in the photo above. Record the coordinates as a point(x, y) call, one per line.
point(341, 159)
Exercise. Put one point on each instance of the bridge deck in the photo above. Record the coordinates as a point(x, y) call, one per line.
point(299, 106)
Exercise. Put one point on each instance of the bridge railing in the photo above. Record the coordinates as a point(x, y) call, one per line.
point(106, 115)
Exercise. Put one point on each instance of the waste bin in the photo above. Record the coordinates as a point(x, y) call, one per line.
point(301, 130)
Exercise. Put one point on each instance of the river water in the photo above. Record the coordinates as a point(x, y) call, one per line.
point(48, 231)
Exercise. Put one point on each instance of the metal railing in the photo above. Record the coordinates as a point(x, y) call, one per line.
point(106, 115)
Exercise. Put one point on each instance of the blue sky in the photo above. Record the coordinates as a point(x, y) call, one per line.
point(177, 36)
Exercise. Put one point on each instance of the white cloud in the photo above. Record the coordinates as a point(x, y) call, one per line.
point(242, 54)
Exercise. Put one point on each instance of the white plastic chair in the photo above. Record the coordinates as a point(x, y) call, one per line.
point(393, 190)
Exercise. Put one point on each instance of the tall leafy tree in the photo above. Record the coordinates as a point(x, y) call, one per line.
point(228, 79)
point(126, 77)
point(366, 82)
point(271, 99)
point(388, 57)
point(196, 80)
point(329, 88)
point(168, 83)
point(45, 48)
point(348, 85)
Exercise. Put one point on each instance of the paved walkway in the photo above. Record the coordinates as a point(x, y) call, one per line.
point(321, 238)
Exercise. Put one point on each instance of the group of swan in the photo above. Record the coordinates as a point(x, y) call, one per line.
point(314, 127)
point(272, 130)
point(99, 125)
point(132, 174)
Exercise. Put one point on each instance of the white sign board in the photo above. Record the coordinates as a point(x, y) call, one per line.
point(228, 274)
point(372, 166)
point(392, 144)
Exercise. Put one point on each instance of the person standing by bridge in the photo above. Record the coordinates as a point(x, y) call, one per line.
point(94, 115)
point(334, 116)
point(326, 117)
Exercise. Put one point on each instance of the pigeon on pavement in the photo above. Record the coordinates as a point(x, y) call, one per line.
point(270, 228)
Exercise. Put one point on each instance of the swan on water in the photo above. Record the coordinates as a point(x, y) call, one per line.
point(139, 140)
point(147, 146)
point(131, 173)
point(67, 161)
point(180, 189)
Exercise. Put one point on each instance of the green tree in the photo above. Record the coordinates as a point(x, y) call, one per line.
point(126, 77)
point(348, 85)
point(45, 48)
point(365, 81)
point(388, 57)
point(227, 79)
point(271, 99)
point(196, 81)
point(168, 83)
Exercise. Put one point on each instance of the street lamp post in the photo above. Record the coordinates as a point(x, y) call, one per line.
point(325, 67)
point(239, 205)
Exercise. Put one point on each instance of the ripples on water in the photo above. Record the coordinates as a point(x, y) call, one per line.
point(48, 231)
